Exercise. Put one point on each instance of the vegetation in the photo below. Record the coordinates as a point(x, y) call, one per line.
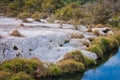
point(16, 33)
point(5, 75)
point(70, 66)
point(31, 67)
point(21, 76)
point(87, 12)
point(81, 11)
point(55, 70)
point(72, 62)
point(103, 44)
point(78, 57)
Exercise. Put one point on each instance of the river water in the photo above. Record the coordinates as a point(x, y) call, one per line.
point(108, 68)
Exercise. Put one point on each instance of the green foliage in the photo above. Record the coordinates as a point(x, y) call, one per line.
point(36, 16)
point(32, 67)
point(70, 66)
point(64, 13)
point(43, 15)
point(23, 15)
point(103, 44)
point(21, 76)
point(55, 70)
point(71, 11)
point(115, 21)
point(96, 49)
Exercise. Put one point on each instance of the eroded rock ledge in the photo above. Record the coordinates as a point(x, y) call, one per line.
point(46, 41)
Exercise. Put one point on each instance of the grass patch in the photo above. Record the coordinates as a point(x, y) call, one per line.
point(78, 57)
point(101, 45)
point(55, 70)
point(32, 67)
point(70, 66)
point(21, 76)
point(5, 75)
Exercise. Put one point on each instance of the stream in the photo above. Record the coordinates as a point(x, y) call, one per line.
point(108, 68)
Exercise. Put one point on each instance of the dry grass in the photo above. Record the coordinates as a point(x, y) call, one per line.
point(21, 25)
point(70, 66)
point(5, 75)
point(16, 33)
point(96, 32)
point(33, 67)
point(99, 26)
point(78, 56)
point(87, 43)
point(77, 35)
point(89, 30)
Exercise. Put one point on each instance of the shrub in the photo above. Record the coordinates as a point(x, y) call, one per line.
point(23, 15)
point(32, 67)
point(21, 76)
point(43, 15)
point(16, 33)
point(70, 66)
point(99, 26)
point(5, 75)
point(36, 16)
point(55, 70)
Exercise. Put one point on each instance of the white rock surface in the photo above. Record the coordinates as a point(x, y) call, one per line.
point(45, 41)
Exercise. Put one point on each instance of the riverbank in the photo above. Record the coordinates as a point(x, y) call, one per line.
point(47, 49)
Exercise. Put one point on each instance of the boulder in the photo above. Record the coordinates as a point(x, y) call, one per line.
point(109, 33)
point(76, 43)
point(82, 28)
point(89, 54)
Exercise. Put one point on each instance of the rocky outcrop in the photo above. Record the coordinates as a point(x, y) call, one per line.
point(46, 41)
